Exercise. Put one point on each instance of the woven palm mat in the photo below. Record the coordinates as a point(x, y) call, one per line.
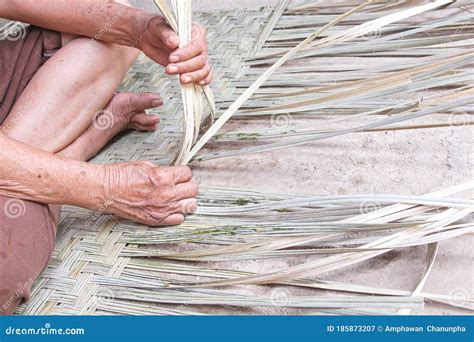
point(100, 264)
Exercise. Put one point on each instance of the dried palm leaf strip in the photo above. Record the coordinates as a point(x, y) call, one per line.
point(277, 12)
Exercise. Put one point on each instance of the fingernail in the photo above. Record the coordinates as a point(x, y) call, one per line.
point(172, 68)
point(202, 82)
point(174, 58)
point(157, 103)
point(186, 79)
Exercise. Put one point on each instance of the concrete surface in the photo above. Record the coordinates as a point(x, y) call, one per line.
point(403, 162)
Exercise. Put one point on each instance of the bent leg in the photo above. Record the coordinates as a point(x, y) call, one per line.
point(62, 97)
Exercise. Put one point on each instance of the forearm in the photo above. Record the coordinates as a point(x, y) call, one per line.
point(103, 20)
point(32, 174)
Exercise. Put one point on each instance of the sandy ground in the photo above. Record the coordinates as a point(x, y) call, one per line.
point(399, 162)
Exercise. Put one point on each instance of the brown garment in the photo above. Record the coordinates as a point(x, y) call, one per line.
point(26, 242)
point(21, 56)
point(26, 228)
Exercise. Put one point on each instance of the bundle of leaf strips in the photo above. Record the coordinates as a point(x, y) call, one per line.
point(194, 119)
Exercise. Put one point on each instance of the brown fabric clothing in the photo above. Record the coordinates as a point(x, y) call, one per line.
point(27, 240)
point(27, 229)
point(21, 55)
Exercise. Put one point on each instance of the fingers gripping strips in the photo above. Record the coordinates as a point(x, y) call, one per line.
point(193, 106)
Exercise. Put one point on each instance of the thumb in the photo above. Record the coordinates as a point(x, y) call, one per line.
point(169, 38)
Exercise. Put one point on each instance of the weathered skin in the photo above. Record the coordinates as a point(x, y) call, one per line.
point(48, 165)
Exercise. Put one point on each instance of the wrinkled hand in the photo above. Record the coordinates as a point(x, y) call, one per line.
point(160, 43)
point(150, 194)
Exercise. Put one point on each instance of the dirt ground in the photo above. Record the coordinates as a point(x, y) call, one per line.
point(396, 162)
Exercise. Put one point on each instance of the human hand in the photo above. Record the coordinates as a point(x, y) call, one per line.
point(160, 43)
point(149, 194)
